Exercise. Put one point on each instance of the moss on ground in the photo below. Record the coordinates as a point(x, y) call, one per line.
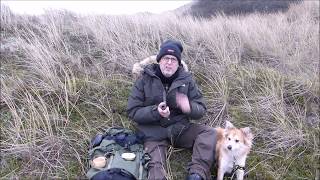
point(178, 163)
point(298, 165)
point(9, 167)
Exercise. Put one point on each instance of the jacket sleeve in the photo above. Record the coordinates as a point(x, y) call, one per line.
point(198, 108)
point(136, 109)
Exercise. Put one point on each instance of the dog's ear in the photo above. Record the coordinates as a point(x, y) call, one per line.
point(229, 125)
point(247, 132)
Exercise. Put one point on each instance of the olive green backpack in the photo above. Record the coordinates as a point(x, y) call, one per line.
point(117, 154)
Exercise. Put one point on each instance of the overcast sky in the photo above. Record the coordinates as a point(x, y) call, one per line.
point(94, 7)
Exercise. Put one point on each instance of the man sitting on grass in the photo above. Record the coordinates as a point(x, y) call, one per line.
point(162, 102)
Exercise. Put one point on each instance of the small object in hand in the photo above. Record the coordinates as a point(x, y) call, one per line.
point(99, 162)
point(163, 107)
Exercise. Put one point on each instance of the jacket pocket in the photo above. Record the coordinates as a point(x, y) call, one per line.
point(183, 89)
point(153, 100)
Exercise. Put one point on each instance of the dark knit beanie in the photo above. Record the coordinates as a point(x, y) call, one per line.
point(170, 47)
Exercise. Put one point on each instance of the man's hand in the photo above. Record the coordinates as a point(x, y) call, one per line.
point(163, 110)
point(183, 102)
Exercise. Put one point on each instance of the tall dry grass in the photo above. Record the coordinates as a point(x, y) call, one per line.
point(65, 76)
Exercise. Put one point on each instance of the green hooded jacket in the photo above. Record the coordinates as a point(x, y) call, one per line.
point(147, 93)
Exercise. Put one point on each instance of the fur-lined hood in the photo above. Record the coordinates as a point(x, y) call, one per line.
point(137, 68)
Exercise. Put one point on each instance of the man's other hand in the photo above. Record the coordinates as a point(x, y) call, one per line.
point(183, 102)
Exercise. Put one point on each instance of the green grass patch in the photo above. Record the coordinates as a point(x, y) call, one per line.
point(10, 167)
point(288, 166)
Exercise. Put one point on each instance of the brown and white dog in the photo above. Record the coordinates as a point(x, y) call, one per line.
point(233, 146)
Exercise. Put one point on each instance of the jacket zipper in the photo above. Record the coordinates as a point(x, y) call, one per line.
point(165, 92)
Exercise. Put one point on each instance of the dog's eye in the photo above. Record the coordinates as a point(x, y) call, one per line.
point(237, 140)
point(229, 139)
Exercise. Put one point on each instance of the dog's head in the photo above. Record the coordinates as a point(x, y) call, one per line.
point(237, 140)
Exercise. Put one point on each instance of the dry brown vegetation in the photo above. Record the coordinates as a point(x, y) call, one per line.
point(65, 77)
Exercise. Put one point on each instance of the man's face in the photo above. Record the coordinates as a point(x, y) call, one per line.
point(168, 65)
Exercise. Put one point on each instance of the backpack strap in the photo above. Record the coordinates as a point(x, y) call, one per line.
point(106, 146)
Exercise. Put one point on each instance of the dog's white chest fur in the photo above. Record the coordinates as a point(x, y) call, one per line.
point(227, 163)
